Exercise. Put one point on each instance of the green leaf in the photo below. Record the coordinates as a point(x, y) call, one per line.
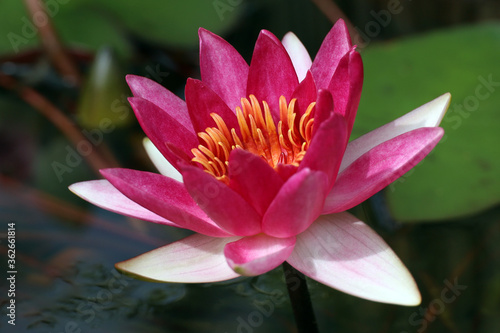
point(173, 22)
point(86, 28)
point(91, 24)
point(461, 176)
point(16, 33)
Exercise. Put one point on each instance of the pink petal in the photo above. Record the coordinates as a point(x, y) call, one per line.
point(222, 68)
point(323, 109)
point(155, 93)
point(254, 179)
point(160, 162)
point(224, 206)
point(379, 167)
point(162, 128)
point(328, 143)
point(258, 254)
point(164, 196)
point(285, 171)
point(194, 259)
point(305, 93)
point(296, 205)
point(428, 115)
point(102, 194)
point(346, 85)
point(201, 102)
point(298, 54)
point(271, 73)
point(334, 46)
point(342, 252)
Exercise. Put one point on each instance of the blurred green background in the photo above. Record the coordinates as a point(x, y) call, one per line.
point(442, 218)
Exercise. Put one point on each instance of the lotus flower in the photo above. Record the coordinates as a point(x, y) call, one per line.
point(257, 163)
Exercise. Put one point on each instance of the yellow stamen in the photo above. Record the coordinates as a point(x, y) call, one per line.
point(285, 143)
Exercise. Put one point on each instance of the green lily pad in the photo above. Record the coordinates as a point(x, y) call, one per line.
point(462, 175)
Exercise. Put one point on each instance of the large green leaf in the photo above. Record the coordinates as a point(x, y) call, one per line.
point(462, 175)
point(77, 24)
point(173, 22)
point(91, 23)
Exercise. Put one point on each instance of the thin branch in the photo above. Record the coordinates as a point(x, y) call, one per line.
point(51, 43)
point(67, 211)
point(96, 159)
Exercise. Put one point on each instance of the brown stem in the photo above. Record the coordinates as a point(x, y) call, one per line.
point(51, 43)
point(333, 13)
point(95, 159)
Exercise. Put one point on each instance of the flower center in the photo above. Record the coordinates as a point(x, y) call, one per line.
point(286, 143)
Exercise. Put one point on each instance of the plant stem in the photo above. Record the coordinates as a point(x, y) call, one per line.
point(51, 42)
point(301, 301)
point(97, 159)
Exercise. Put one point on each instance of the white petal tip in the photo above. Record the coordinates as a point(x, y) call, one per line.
point(194, 259)
point(433, 111)
point(122, 267)
point(160, 162)
point(298, 54)
point(343, 253)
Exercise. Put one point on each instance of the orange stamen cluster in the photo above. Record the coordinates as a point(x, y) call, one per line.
point(286, 143)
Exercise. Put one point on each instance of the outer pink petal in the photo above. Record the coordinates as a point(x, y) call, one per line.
point(222, 68)
point(201, 102)
point(328, 143)
point(271, 73)
point(379, 167)
point(102, 194)
point(305, 93)
point(298, 54)
point(334, 46)
point(164, 196)
point(224, 206)
point(346, 85)
point(194, 259)
point(258, 254)
point(344, 253)
point(296, 205)
point(162, 128)
point(427, 115)
point(155, 93)
point(254, 179)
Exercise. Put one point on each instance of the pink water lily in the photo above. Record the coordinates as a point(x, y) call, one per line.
point(257, 163)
